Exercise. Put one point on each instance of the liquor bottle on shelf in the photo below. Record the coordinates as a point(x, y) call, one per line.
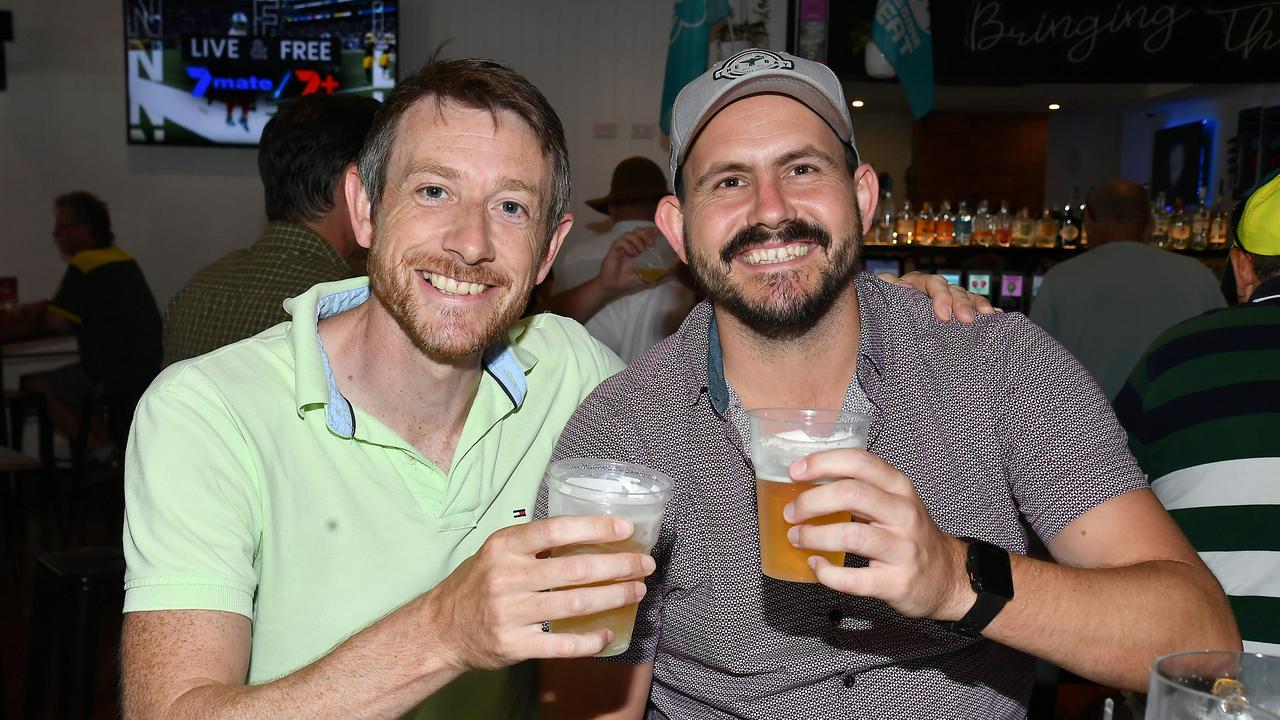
point(984, 231)
point(964, 225)
point(1046, 230)
point(925, 225)
point(1160, 222)
point(945, 226)
point(884, 220)
point(1179, 227)
point(1218, 226)
point(1004, 225)
point(1200, 226)
point(1068, 231)
point(1084, 229)
point(905, 226)
point(1024, 229)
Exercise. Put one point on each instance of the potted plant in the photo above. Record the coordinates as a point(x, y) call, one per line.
point(751, 30)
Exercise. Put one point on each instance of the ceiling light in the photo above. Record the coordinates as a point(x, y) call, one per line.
point(857, 103)
point(1055, 106)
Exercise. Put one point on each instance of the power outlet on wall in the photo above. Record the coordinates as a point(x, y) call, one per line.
point(642, 131)
point(605, 131)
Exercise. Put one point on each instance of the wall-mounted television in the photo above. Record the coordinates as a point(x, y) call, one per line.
point(212, 72)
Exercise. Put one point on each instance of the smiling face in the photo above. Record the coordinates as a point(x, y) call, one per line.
point(770, 222)
point(459, 239)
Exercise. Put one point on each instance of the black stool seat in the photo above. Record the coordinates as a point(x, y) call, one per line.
point(72, 588)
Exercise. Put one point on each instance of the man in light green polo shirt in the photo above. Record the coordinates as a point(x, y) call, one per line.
point(329, 518)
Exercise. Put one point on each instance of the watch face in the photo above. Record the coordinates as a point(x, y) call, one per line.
point(989, 569)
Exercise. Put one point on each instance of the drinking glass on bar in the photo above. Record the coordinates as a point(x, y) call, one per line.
point(592, 486)
point(1214, 685)
point(780, 436)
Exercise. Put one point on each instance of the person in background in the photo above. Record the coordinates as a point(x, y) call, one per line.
point(601, 287)
point(104, 300)
point(1202, 408)
point(1110, 302)
point(306, 149)
point(980, 435)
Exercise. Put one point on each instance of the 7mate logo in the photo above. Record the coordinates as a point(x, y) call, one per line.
point(206, 81)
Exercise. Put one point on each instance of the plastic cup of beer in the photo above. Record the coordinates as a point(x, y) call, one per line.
point(656, 261)
point(592, 486)
point(779, 437)
point(1214, 685)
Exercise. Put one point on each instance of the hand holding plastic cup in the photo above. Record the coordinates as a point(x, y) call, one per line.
point(779, 437)
point(592, 486)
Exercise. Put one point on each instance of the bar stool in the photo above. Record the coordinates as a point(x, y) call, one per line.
point(71, 589)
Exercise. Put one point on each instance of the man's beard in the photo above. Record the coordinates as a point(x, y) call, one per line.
point(448, 333)
point(786, 311)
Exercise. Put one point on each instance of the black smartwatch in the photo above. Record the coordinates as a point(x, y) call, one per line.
point(991, 577)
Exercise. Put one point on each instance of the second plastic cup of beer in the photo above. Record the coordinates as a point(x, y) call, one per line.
point(779, 437)
point(591, 486)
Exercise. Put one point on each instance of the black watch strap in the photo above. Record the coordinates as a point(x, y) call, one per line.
point(990, 577)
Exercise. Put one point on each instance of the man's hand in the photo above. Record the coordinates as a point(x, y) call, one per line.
point(947, 298)
point(914, 567)
point(617, 269)
point(489, 612)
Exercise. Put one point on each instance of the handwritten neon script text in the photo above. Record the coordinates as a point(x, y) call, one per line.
point(1156, 23)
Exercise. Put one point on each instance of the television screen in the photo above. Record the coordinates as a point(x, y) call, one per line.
point(1035, 284)
point(876, 266)
point(212, 72)
point(951, 276)
point(980, 283)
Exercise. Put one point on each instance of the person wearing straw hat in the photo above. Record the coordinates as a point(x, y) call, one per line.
point(1202, 408)
point(598, 279)
point(984, 439)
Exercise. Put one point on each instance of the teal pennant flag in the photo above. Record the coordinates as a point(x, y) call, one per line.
point(687, 47)
point(901, 30)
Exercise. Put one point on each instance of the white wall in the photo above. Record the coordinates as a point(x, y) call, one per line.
point(62, 121)
point(1084, 150)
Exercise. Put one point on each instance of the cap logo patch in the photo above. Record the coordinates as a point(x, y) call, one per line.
point(749, 61)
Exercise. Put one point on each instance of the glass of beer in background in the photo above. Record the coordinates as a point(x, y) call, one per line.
point(779, 437)
point(591, 486)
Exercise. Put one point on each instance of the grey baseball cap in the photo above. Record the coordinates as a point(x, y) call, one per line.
point(752, 72)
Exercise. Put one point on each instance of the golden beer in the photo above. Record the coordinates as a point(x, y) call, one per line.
point(651, 275)
point(619, 620)
point(779, 559)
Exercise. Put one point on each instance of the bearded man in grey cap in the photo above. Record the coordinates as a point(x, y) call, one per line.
point(981, 435)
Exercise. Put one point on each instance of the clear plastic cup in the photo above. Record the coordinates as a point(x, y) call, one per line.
point(779, 437)
point(1214, 685)
point(656, 261)
point(593, 486)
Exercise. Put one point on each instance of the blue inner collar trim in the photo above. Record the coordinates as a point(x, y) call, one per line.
point(717, 387)
point(499, 361)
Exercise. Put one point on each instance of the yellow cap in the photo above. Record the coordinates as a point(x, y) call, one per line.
point(1258, 231)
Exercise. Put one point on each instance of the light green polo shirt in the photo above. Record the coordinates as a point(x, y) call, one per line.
point(252, 486)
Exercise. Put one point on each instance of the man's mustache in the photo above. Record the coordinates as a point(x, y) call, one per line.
point(792, 231)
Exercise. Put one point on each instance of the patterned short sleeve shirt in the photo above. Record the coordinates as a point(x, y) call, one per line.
point(1003, 434)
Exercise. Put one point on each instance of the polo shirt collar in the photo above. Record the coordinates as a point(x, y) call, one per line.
point(314, 384)
point(872, 306)
point(1267, 291)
